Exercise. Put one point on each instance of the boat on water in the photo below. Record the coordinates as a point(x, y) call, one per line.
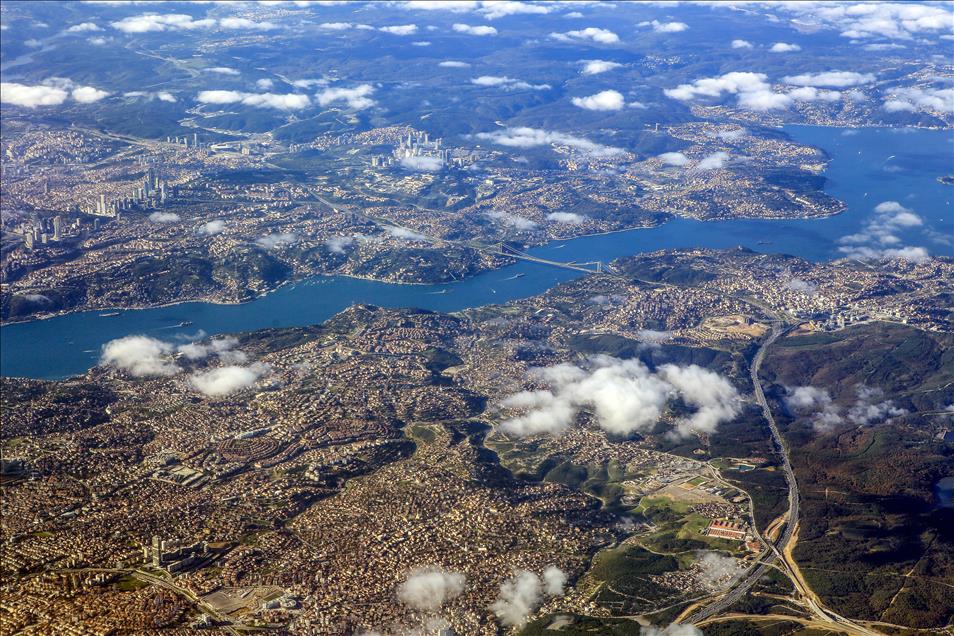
point(185, 323)
point(516, 276)
point(443, 291)
point(109, 314)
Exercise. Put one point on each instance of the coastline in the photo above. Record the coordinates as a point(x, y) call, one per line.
point(219, 301)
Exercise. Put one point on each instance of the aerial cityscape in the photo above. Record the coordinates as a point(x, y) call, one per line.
point(477, 317)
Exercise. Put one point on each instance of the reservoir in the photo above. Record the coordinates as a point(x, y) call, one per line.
point(868, 166)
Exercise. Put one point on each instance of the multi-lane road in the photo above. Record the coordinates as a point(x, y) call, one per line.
point(780, 549)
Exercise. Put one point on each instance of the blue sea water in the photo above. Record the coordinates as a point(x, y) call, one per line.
point(868, 166)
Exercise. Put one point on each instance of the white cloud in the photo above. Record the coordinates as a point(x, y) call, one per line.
point(831, 79)
point(554, 580)
point(812, 94)
point(427, 589)
point(222, 70)
point(825, 415)
point(356, 98)
point(879, 239)
point(715, 161)
point(422, 164)
point(454, 64)
point(513, 220)
point(84, 27)
point(566, 218)
point(404, 233)
point(223, 348)
point(734, 83)
point(51, 92)
point(669, 27)
point(764, 100)
point(783, 47)
point(802, 286)
point(885, 47)
point(716, 571)
point(594, 34)
point(856, 95)
point(899, 106)
point(752, 89)
point(275, 241)
point(803, 398)
point(337, 26)
point(401, 29)
point(674, 159)
point(339, 244)
point(502, 8)
point(474, 30)
point(518, 598)
point(244, 23)
point(164, 217)
point(228, 379)
point(211, 228)
point(868, 407)
point(520, 595)
point(162, 96)
point(604, 100)
point(150, 22)
point(741, 44)
point(31, 96)
point(139, 356)
point(624, 395)
point(714, 397)
point(421, 43)
point(454, 6)
point(594, 67)
point(654, 336)
point(155, 22)
point(938, 100)
point(97, 41)
point(507, 82)
point(289, 101)
point(523, 137)
point(309, 83)
point(902, 20)
point(264, 84)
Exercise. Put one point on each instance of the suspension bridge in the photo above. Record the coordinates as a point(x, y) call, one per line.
point(590, 267)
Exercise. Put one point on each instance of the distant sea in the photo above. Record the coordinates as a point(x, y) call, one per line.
point(868, 166)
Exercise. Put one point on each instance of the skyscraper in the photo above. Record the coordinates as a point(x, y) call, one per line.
point(57, 228)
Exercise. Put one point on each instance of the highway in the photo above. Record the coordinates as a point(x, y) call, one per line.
point(745, 583)
point(781, 549)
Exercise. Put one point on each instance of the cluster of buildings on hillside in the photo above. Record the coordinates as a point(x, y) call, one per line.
point(153, 192)
point(416, 145)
